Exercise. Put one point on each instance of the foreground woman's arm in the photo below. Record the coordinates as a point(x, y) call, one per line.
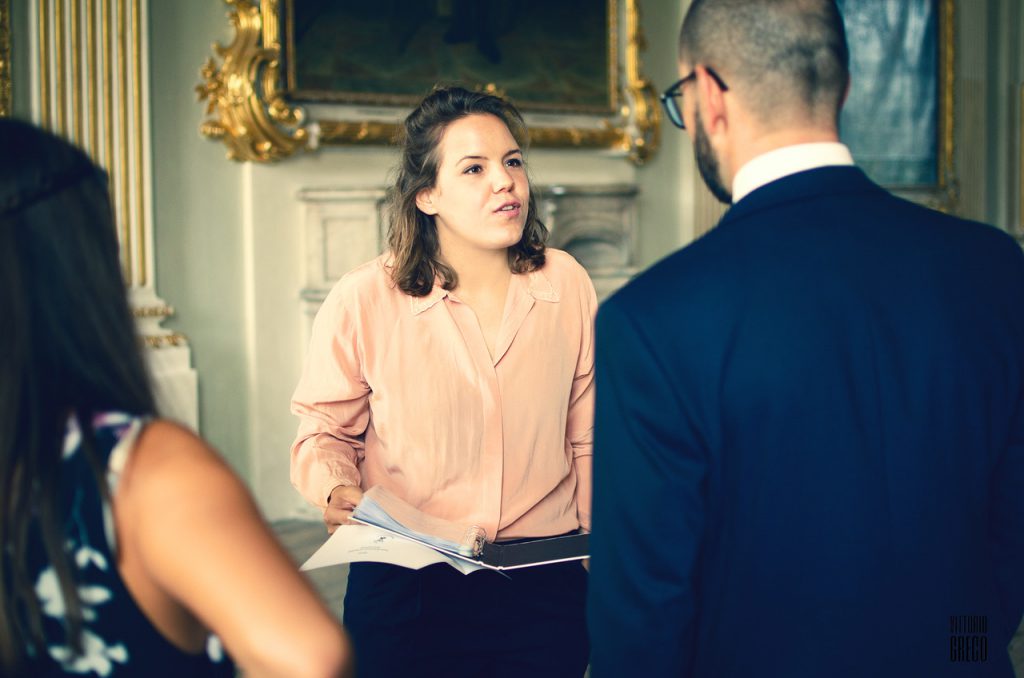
point(195, 552)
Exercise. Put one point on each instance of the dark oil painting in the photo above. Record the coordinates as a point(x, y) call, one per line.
point(545, 55)
point(891, 117)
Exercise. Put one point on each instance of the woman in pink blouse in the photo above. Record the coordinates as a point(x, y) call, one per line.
point(456, 370)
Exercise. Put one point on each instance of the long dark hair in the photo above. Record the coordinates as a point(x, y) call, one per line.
point(68, 348)
point(412, 235)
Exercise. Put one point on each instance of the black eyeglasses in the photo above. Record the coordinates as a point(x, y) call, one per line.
point(672, 97)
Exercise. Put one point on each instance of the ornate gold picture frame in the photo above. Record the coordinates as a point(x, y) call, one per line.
point(251, 110)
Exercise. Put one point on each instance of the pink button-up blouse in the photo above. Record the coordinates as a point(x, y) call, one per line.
point(401, 391)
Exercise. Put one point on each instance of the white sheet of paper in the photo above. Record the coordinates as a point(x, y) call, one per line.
point(362, 543)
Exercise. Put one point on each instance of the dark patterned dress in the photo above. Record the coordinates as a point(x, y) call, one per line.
point(118, 639)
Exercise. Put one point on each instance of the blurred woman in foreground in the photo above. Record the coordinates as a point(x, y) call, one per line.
point(126, 539)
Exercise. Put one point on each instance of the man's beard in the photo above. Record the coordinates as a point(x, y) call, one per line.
point(707, 163)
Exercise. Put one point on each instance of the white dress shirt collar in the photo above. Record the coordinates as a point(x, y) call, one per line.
point(787, 160)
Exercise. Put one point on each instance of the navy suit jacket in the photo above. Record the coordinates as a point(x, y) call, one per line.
point(809, 445)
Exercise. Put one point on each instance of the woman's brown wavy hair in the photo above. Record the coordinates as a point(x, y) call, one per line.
point(412, 235)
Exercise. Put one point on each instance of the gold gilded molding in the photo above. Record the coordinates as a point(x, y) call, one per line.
point(77, 112)
point(141, 249)
point(948, 185)
point(157, 311)
point(44, 65)
point(91, 69)
point(121, 182)
point(644, 135)
point(249, 114)
point(60, 69)
point(92, 88)
point(157, 341)
point(106, 21)
point(252, 117)
point(357, 133)
point(91, 91)
point(6, 101)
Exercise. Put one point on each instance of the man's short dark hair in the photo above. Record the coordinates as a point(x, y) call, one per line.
point(788, 57)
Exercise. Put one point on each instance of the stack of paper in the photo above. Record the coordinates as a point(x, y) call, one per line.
point(392, 531)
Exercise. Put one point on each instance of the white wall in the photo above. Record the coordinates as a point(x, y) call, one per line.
point(197, 202)
point(669, 181)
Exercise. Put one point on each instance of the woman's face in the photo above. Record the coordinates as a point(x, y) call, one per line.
point(481, 196)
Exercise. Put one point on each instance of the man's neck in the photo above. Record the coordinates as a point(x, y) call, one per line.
point(745, 150)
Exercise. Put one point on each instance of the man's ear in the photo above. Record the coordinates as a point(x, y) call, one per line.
point(716, 113)
point(425, 201)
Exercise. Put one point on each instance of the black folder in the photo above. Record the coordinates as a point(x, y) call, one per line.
point(539, 551)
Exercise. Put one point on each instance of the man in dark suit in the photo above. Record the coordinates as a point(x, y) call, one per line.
point(809, 442)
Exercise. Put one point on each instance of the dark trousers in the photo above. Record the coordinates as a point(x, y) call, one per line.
point(438, 622)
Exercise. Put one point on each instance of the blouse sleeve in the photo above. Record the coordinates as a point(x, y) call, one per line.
point(331, 402)
point(580, 421)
